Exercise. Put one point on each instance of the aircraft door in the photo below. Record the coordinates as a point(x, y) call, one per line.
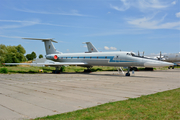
point(117, 58)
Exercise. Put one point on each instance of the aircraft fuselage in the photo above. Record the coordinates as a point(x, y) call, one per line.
point(119, 59)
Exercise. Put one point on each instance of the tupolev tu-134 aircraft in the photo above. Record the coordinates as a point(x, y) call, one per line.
point(90, 59)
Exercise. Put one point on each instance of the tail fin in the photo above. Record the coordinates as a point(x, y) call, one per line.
point(50, 49)
point(91, 47)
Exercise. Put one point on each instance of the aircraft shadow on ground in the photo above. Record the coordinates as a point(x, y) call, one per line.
point(113, 75)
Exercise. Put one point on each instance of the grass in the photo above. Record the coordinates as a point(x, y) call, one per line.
point(159, 106)
point(26, 69)
point(33, 69)
point(3, 70)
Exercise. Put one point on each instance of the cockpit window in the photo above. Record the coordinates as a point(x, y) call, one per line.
point(132, 54)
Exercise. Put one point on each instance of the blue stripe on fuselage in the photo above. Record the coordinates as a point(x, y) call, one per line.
point(111, 58)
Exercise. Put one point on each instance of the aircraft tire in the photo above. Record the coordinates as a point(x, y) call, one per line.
point(87, 70)
point(172, 67)
point(169, 67)
point(127, 74)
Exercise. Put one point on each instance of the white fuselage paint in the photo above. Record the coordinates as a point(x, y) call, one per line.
point(120, 59)
point(174, 57)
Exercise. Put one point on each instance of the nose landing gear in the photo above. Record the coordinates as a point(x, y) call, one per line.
point(128, 74)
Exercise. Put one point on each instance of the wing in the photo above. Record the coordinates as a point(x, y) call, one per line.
point(49, 64)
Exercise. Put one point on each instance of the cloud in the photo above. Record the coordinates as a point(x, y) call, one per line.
point(71, 13)
point(141, 4)
point(150, 23)
point(21, 23)
point(31, 22)
point(117, 32)
point(109, 48)
point(174, 2)
point(106, 48)
point(10, 36)
point(178, 14)
point(113, 48)
point(126, 5)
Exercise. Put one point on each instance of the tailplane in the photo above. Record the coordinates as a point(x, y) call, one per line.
point(50, 49)
point(91, 47)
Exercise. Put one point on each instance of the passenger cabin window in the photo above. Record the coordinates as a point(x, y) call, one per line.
point(66, 57)
point(97, 57)
point(90, 57)
point(84, 57)
point(106, 57)
point(77, 57)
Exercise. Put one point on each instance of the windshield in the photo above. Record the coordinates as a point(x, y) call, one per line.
point(131, 54)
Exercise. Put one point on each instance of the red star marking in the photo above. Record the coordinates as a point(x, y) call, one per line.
point(92, 49)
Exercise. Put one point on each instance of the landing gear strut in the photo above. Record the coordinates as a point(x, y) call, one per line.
point(88, 69)
point(170, 67)
point(57, 70)
point(128, 74)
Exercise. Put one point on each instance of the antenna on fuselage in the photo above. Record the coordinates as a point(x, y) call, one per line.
point(138, 53)
point(143, 54)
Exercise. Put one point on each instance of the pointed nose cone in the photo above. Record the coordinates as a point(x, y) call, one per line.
point(157, 64)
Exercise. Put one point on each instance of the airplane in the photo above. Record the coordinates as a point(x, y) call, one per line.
point(116, 58)
point(171, 57)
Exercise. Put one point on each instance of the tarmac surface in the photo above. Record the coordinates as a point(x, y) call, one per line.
point(26, 96)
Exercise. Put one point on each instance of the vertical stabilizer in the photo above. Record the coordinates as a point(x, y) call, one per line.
point(49, 47)
point(91, 47)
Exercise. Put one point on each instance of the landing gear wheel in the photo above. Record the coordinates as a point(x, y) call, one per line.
point(172, 67)
point(88, 70)
point(169, 67)
point(127, 74)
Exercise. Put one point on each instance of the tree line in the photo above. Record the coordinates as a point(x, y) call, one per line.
point(15, 54)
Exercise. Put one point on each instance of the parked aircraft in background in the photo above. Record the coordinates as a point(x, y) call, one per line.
point(117, 59)
point(171, 57)
point(90, 47)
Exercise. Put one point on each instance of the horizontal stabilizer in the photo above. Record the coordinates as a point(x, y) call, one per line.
point(49, 47)
point(49, 39)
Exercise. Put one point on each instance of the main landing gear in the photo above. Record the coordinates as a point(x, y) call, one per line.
point(88, 70)
point(57, 71)
point(170, 67)
point(128, 74)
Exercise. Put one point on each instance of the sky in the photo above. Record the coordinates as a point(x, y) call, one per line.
point(110, 25)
